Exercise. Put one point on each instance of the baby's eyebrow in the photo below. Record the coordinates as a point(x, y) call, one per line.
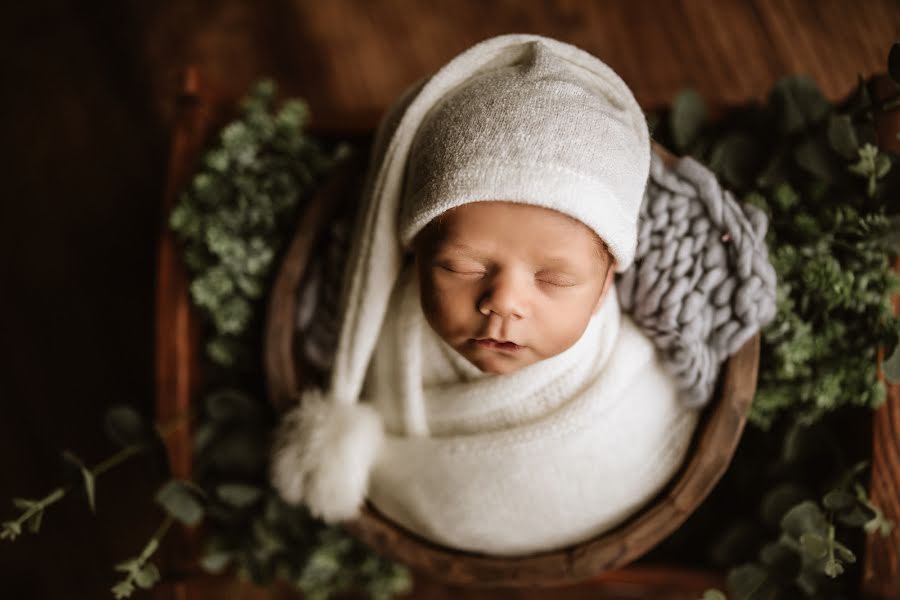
point(461, 248)
point(557, 261)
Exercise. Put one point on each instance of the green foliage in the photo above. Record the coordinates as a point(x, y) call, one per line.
point(182, 500)
point(789, 519)
point(235, 214)
point(234, 218)
point(827, 189)
point(253, 531)
point(807, 555)
point(139, 573)
point(32, 514)
point(87, 477)
point(829, 192)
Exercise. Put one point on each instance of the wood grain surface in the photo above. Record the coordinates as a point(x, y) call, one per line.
point(350, 58)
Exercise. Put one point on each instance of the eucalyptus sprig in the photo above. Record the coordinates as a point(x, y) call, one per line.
point(33, 509)
point(872, 166)
point(234, 215)
point(808, 553)
point(32, 514)
point(139, 573)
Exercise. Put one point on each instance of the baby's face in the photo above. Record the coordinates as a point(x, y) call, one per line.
point(507, 284)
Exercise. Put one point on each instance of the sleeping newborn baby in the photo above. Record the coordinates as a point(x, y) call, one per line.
point(486, 392)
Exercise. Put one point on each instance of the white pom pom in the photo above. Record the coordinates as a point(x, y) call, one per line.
point(323, 454)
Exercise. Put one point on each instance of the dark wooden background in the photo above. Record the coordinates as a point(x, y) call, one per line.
point(87, 103)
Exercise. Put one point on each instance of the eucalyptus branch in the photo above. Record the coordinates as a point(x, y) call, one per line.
point(33, 509)
point(878, 522)
point(140, 573)
point(32, 515)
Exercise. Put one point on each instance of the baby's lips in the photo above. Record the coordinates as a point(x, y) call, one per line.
point(495, 343)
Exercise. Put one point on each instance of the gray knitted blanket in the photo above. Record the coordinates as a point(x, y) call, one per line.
point(701, 284)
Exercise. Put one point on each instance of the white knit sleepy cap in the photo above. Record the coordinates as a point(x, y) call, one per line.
point(553, 127)
point(517, 117)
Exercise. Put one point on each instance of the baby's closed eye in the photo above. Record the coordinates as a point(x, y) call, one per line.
point(470, 270)
point(556, 278)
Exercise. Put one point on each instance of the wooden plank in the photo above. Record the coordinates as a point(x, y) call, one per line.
point(350, 59)
point(177, 328)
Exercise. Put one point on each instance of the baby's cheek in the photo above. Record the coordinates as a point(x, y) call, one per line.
point(445, 311)
point(564, 330)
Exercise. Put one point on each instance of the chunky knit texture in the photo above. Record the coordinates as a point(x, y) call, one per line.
point(702, 283)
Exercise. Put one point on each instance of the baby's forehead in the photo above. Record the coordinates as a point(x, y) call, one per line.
point(473, 228)
point(499, 215)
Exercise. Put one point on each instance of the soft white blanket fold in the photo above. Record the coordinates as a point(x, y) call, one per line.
point(543, 457)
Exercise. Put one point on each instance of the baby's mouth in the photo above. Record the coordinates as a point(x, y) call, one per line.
point(498, 344)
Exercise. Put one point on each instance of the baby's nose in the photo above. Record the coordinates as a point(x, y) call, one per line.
point(505, 297)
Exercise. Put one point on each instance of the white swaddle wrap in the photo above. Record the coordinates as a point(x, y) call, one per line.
point(545, 456)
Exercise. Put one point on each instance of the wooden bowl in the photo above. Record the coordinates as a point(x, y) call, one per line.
point(712, 447)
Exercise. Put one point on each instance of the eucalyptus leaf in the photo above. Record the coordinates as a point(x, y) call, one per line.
point(89, 488)
point(736, 158)
point(686, 118)
point(125, 426)
point(879, 524)
point(798, 103)
point(833, 567)
point(239, 495)
point(87, 477)
point(23, 503)
point(123, 589)
point(128, 566)
point(179, 499)
point(814, 545)
point(838, 500)
point(842, 136)
point(844, 553)
point(215, 562)
point(146, 576)
point(806, 517)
